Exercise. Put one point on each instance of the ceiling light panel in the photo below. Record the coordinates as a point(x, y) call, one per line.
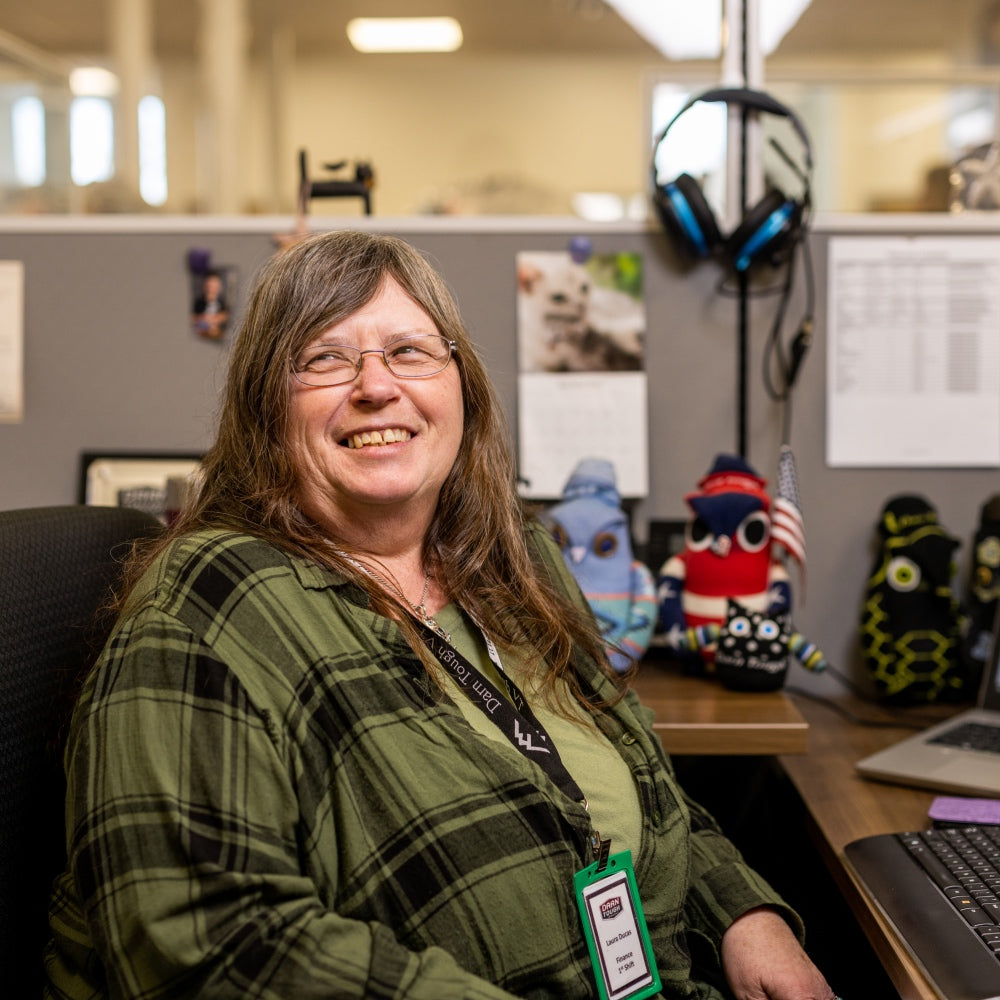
point(405, 34)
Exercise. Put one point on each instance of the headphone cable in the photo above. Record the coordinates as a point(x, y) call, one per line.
point(787, 365)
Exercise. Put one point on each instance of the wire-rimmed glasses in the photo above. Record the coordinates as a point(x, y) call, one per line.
point(418, 356)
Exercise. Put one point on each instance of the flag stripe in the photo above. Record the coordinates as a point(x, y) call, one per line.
point(787, 525)
point(787, 528)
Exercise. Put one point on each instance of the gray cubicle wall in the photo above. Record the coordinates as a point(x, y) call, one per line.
point(110, 364)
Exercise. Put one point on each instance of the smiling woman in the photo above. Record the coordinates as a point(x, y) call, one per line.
point(356, 718)
point(407, 393)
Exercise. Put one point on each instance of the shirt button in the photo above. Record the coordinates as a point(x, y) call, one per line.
point(628, 739)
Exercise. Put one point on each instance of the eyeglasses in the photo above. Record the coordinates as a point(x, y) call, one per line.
point(408, 357)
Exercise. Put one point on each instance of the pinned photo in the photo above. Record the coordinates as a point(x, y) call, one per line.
point(580, 316)
point(210, 304)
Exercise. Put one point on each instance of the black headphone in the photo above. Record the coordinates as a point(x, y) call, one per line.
point(769, 230)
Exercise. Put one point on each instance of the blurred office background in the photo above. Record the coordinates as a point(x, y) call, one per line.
point(547, 107)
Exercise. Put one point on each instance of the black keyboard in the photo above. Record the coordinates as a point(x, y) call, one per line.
point(940, 889)
point(971, 736)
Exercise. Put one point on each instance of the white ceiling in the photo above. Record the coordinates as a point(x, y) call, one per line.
point(836, 28)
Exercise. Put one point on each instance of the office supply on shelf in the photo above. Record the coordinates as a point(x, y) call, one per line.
point(938, 890)
point(360, 186)
point(960, 754)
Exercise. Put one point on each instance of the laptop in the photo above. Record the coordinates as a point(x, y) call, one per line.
point(960, 754)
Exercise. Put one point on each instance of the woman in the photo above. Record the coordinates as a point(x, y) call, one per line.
point(315, 758)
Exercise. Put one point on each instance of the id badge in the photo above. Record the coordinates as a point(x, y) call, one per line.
point(615, 927)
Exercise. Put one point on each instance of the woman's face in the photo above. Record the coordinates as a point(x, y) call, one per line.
point(344, 477)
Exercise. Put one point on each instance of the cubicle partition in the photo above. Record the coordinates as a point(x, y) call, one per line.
point(112, 364)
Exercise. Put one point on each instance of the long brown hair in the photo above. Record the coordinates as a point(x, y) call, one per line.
point(477, 539)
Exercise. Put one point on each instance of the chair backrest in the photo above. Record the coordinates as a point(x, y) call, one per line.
point(57, 565)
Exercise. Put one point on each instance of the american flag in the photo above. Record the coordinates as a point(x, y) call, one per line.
point(787, 527)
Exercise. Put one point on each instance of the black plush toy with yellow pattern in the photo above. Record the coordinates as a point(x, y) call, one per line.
point(984, 590)
point(911, 623)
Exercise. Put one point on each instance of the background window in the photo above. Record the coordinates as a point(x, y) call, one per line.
point(91, 137)
point(152, 151)
point(28, 129)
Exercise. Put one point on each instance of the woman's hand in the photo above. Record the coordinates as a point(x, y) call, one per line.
point(763, 960)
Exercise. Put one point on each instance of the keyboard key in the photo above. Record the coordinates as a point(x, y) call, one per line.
point(916, 878)
point(971, 736)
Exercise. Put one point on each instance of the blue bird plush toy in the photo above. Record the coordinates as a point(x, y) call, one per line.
point(592, 531)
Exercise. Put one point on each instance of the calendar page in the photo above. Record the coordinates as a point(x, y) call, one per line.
point(563, 418)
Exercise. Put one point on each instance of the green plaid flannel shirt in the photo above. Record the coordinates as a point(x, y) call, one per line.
point(269, 799)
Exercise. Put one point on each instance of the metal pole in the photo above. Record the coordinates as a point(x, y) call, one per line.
point(742, 66)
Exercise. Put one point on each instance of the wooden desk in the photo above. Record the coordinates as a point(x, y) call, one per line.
point(697, 715)
point(843, 806)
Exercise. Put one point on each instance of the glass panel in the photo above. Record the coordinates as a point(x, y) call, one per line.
point(541, 112)
point(878, 145)
point(891, 146)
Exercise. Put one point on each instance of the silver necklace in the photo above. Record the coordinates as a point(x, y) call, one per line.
point(420, 610)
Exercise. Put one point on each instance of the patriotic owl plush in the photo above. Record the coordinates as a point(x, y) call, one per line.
point(592, 531)
point(727, 555)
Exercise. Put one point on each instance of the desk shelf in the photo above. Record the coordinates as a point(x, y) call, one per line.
point(697, 715)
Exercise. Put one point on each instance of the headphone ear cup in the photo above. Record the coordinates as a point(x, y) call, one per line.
point(688, 218)
point(768, 230)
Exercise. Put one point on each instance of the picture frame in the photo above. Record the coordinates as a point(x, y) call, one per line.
point(156, 482)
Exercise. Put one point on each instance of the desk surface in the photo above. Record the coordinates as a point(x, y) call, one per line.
point(697, 715)
point(843, 806)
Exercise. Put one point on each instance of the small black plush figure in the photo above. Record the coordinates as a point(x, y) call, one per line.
point(752, 648)
point(910, 622)
point(984, 590)
point(752, 654)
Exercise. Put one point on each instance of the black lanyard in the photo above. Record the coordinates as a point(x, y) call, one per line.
point(516, 721)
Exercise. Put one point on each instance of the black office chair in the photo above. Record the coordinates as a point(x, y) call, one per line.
point(57, 565)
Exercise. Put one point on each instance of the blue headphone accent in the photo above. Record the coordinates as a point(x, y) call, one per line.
point(768, 231)
point(686, 219)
